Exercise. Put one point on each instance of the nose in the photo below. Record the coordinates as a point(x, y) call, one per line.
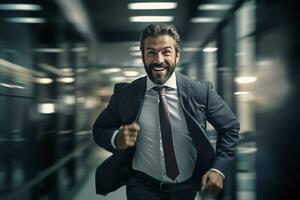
point(159, 58)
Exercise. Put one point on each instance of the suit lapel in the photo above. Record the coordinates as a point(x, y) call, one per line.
point(131, 100)
point(138, 94)
point(183, 91)
point(139, 98)
point(197, 132)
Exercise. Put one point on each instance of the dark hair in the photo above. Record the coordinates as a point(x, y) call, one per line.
point(155, 30)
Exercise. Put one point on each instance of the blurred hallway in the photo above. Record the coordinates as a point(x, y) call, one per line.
point(60, 59)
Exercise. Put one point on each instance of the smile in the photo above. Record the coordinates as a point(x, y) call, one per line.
point(158, 68)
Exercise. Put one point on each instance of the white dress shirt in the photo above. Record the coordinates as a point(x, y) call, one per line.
point(149, 155)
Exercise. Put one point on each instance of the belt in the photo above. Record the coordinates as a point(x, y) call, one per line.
point(160, 185)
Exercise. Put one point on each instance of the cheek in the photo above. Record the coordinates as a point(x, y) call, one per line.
point(171, 61)
point(148, 61)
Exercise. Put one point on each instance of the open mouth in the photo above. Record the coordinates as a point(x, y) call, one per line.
point(158, 69)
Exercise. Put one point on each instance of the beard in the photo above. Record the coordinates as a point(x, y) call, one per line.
point(160, 73)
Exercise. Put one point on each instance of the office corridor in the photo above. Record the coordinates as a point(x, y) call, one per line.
point(60, 60)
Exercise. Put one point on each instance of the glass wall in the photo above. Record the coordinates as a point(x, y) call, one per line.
point(227, 59)
point(46, 106)
point(245, 80)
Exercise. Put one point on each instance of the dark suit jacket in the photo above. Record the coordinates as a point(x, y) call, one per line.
point(199, 102)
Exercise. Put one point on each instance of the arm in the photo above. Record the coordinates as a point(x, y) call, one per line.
point(106, 124)
point(224, 121)
point(227, 126)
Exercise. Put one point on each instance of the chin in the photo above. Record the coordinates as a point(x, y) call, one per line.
point(160, 81)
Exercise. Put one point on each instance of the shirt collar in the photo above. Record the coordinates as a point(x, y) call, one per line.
point(171, 82)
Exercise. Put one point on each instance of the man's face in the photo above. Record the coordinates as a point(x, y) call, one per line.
point(160, 58)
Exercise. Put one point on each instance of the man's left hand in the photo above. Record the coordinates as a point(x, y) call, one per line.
point(212, 182)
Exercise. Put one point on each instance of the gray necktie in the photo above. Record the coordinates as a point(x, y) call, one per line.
point(166, 135)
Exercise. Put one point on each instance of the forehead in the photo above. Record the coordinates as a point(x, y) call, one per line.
point(159, 42)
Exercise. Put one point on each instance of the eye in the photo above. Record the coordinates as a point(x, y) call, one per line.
point(150, 53)
point(167, 52)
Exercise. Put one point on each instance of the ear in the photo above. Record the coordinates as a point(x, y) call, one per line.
point(177, 56)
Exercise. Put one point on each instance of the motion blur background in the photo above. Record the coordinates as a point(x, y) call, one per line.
point(60, 59)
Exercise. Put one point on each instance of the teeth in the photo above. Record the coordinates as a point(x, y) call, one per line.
point(158, 68)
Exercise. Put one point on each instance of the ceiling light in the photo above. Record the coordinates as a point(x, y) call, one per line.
point(210, 49)
point(26, 20)
point(214, 7)
point(151, 18)
point(131, 73)
point(66, 80)
point(43, 80)
point(245, 79)
point(205, 20)
point(26, 7)
point(111, 70)
point(152, 6)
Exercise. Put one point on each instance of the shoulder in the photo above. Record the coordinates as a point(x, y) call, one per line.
point(120, 87)
point(194, 84)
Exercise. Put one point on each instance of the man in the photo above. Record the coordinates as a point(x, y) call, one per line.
point(161, 118)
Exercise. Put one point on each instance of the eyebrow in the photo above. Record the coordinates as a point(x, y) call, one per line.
point(167, 47)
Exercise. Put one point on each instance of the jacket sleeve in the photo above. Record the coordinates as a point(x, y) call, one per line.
point(107, 123)
point(224, 121)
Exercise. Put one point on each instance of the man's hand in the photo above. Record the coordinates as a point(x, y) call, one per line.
point(127, 136)
point(212, 182)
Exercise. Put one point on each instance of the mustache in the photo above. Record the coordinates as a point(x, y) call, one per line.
point(161, 65)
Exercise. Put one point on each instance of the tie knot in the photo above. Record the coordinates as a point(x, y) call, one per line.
point(160, 89)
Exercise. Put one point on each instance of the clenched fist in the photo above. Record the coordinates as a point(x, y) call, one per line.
point(212, 182)
point(127, 136)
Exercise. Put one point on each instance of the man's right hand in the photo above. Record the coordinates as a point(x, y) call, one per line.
point(127, 136)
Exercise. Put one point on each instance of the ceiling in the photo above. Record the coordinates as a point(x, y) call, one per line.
point(105, 25)
point(109, 22)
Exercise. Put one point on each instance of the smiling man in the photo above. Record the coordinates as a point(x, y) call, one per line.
point(159, 121)
point(160, 55)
